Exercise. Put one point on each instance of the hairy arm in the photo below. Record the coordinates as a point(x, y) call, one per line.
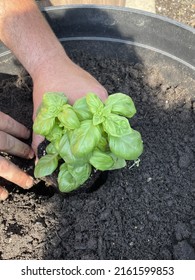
point(24, 31)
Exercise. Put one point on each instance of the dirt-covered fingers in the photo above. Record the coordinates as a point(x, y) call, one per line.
point(3, 193)
point(10, 126)
point(14, 146)
point(12, 173)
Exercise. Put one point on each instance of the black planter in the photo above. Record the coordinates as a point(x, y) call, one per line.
point(144, 213)
point(129, 34)
point(121, 31)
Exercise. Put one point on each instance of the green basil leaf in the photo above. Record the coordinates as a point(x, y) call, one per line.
point(50, 149)
point(121, 104)
point(69, 118)
point(94, 103)
point(128, 147)
point(46, 165)
point(106, 110)
point(66, 181)
point(101, 160)
point(118, 162)
point(82, 109)
point(64, 149)
point(101, 114)
point(102, 144)
point(98, 118)
point(84, 139)
point(56, 145)
point(54, 102)
point(55, 133)
point(43, 123)
point(116, 125)
point(80, 173)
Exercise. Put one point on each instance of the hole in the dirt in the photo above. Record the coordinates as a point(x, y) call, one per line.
point(41, 220)
point(42, 189)
point(14, 229)
point(38, 189)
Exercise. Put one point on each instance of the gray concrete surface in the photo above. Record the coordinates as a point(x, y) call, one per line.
point(180, 10)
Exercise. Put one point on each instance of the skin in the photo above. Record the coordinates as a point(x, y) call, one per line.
point(26, 33)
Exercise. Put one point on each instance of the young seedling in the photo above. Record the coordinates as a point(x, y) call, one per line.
point(88, 135)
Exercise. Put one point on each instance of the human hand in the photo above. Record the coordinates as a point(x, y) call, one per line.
point(42, 55)
point(10, 130)
point(60, 74)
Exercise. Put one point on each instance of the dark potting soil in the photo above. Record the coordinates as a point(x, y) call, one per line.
point(145, 212)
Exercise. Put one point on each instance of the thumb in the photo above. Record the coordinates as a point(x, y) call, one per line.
point(36, 140)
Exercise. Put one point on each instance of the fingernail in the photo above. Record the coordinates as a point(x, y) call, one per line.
point(29, 182)
point(3, 194)
point(31, 154)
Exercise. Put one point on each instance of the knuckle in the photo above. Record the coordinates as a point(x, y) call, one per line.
point(9, 142)
point(6, 141)
point(2, 140)
point(12, 173)
point(26, 151)
point(9, 124)
point(6, 122)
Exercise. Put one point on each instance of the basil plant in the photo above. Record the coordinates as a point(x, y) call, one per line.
point(88, 135)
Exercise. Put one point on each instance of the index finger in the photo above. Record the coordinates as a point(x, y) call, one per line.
point(11, 126)
point(14, 174)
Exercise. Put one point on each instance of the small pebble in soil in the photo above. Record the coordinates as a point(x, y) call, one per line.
point(149, 179)
point(166, 104)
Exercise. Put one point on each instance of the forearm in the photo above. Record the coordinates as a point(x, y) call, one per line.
point(24, 30)
point(26, 33)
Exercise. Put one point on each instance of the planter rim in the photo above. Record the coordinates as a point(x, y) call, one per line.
point(159, 34)
point(167, 24)
point(123, 9)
